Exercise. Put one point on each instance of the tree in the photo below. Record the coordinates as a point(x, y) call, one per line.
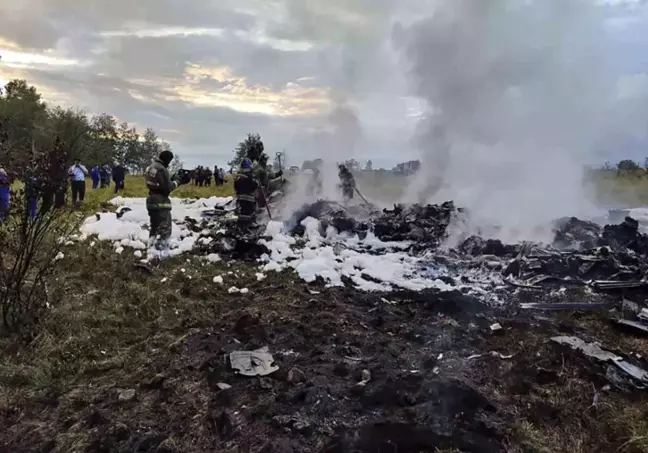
point(128, 147)
point(176, 164)
point(627, 165)
point(149, 149)
point(369, 166)
point(23, 115)
point(252, 148)
point(104, 138)
point(29, 126)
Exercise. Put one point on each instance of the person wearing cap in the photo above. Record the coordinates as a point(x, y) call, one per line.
point(158, 204)
point(246, 186)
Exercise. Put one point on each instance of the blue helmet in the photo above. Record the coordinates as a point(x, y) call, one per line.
point(246, 164)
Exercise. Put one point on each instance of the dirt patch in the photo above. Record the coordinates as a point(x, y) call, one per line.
point(142, 366)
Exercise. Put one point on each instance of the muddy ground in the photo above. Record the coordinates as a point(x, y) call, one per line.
point(127, 362)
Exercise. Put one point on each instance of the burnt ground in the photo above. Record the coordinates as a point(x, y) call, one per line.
point(127, 363)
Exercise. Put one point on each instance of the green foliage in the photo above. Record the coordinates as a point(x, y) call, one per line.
point(29, 126)
point(252, 148)
point(628, 165)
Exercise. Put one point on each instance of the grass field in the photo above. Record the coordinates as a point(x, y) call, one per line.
point(113, 331)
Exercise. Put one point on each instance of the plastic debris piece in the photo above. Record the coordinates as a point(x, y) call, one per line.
point(253, 363)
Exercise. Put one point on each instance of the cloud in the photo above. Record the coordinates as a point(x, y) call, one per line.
point(203, 76)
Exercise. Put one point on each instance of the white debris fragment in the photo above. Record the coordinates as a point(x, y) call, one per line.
point(495, 327)
point(253, 363)
point(59, 256)
point(233, 290)
point(244, 291)
point(163, 280)
point(119, 250)
point(213, 258)
point(369, 263)
point(137, 254)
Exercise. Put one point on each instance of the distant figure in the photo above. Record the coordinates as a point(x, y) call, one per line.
point(78, 174)
point(347, 182)
point(246, 187)
point(32, 193)
point(105, 173)
point(217, 176)
point(5, 197)
point(96, 176)
point(119, 176)
point(208, 177)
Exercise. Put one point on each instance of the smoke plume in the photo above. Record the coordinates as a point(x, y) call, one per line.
point(518, 93)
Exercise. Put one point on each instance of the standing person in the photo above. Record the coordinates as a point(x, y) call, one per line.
point(246, 187)
point(5, 197)
point(95, 175)
point(158, 203)
point(78, 174)
point(347, 182)
point(208, 177)
point(102, 176)
point(217, 176)
point(119, 176)
point(32, 193)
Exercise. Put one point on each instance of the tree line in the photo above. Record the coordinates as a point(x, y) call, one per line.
point(29, 126)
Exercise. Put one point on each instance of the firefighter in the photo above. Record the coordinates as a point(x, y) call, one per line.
point(158, 203)
point(246, 187)
point(347, 182)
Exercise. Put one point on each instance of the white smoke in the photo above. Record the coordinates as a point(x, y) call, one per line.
point(518, 95)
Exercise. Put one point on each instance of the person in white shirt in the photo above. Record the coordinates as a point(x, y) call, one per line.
point(78, 175)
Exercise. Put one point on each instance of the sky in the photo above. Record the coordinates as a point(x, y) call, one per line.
point(313, 77)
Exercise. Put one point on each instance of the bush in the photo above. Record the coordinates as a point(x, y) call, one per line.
point(30, 243)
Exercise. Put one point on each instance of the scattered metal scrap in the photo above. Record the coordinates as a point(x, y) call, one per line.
point(639, 376)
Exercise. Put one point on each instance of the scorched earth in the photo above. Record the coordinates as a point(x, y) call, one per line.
point(339, 330)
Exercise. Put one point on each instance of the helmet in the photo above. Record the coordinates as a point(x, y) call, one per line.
point(166, 157)
point(246, 164)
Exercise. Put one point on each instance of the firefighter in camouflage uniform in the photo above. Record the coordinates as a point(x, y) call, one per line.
point(246, 187)
point(347, 182)
point(158, 204)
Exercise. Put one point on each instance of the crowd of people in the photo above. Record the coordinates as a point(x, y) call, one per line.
point(51, 189)
point(202, 176)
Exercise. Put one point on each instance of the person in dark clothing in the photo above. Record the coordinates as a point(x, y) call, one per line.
point(96, 176)
point(217, 176)
point(119, 176)
point(5, 194)
point(347, 182)
point(208, 177)
point(104, 171)
point(158, 203)
point(246, 187)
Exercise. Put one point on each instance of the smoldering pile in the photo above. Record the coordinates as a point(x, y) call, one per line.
point(582, 252)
